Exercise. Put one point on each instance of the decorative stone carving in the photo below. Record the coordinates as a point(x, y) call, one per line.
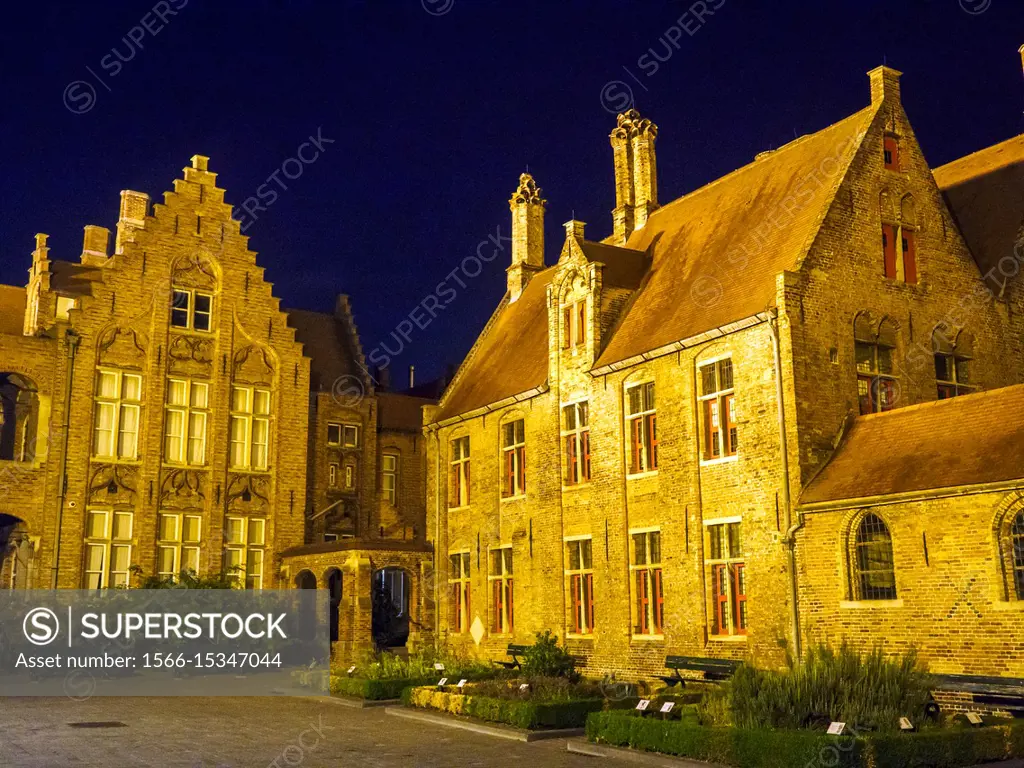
point(528, 191)
point(195, 271)
point(183, 489)
point(113, 484)
point(189, 355)
point(248, 493)
point(630, 124)
point(122, 346)
point(253, 365)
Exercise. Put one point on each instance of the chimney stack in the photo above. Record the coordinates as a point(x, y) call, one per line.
point(94, 245)
point(885, 84)
point(636, 173)
point(134, 207)
point(527, 208)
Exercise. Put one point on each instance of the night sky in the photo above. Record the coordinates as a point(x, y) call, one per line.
point(436, 107)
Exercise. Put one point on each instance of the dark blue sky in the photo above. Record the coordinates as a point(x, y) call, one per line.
point(434, 115)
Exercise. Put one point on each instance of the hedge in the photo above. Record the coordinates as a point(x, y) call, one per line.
point(521, 713)
point(375, 690)
point(763, 748)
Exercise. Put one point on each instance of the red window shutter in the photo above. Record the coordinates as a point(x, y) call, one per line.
point(740, 598)
point(521, 453)
point(659, 602)
point(652, 426)
point(582, 323)
point(468, 611)
point(729, 420)
point(510, 477)
point(642, 602)
point(636, 444)
point(721, 600)
point(496, 596)
point(711, 431)
point(566, 327)
point(909, 256)
point(454, 489)
point(889, 250)
point(510, 607)
point(571, 476)
point(891, 152)
point(574, 587)
point(589, 583)
point(466, 479)
point(585, 438)
point(456, 619)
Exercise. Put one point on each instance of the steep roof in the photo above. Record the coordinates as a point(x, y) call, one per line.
point(980, 190)
point(717, 251)
point(328, 342)
point(401, 412)
point(922, 447)
point(510, 357)
point(12, 310)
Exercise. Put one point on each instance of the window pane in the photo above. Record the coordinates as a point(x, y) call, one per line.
point(507, 555)
point(943, 369)
point(200, 395)
point(865, 354)
point(176, 390)
point(168, 528)
point(131, 388)
point(715, 534)
point(173, 442)
point(725, 374)
point(96, 527)
point(262, 402)
point(190, 528)
point(350, 435)
point(119, 557)
point(333, 434)
point(94, 557)
point(239, 440)
point(122, 526)
point(585, 552)
point(260, 436)
point(963, 371)
point(106, 384)
point(574, 555)
point(233, 558)
point(655, 544)
point(884, 359)
point(234, 534)
point(569, 417)
point(709, 384)
point(639, 549)
point(583, 414)
point(127, 434)
point(240, 399)
point(256, 531)
point(633, 400)
point(165, 561)
point(197, 438)
point(202, 303)
point(649, 396)
point(190, 559)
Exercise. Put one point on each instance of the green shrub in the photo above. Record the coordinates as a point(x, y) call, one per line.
point(520, 713)
point(546, 658)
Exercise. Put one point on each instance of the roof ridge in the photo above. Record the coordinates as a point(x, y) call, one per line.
point(968, 156)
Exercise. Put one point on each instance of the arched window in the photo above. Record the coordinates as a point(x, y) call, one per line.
point(874, 569)
point(876, 381)
point(1017, 553)
point(952, 362)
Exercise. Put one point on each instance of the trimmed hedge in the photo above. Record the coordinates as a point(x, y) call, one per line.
point(763, 748)
point(521, 713)
point(375, 690)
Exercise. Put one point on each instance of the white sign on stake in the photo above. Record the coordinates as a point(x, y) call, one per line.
point(462, 682)
point(667, 706)
point(442, 681)
point(352, 669)
point(974, 718)
point(439, 667)
point(524, 687)
point(643, 704)
point(905, 724)
point(836, 729)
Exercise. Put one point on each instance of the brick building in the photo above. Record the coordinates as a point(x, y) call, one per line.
point(780, 408)
point(161, 411)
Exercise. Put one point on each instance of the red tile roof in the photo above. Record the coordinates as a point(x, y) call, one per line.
point(924, 447)
point(984, 190)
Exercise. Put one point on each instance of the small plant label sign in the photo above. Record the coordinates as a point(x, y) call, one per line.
point(524, 687)
point(352, 669)
point(667, 706)
point(439, 667)
point(836, 729)
point(441, 682)
point(643, 704)
point(462, 682)
point(974, 718)
point(905, 724)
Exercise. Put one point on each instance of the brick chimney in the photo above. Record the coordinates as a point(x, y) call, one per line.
point(527, 208)
point(885, 84)
point(94, 245)
point(636, 173)
point(134, 207)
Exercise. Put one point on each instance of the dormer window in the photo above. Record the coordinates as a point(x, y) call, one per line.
point(191, 309)
point(891, 153)
point(574, 324)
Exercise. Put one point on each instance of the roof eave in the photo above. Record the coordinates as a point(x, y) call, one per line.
point(916, 495)
point(484, 410)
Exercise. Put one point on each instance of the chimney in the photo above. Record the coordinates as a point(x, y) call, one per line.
point(636, 173)
point(885, 84)
point(412, 376)
point(527, 208)
point(94, 245)
point(134, 207)
point(574, 229)
point(382, 377)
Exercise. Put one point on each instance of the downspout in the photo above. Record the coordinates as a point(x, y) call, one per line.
point(789, 540)
point(71, 340)
point(437, 528)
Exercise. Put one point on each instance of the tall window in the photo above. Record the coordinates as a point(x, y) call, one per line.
point(574, 324)
point(389, 477)
point(891, 153)
point(245, 539)
point(642, 422)
point(108, 548)
point(728, 580)
point(576, 439)
point(899, 253)
point(952, 363)
point(718, 404)
point(874, 567)
point(580, 574)
point(458, 486)
point(458, 587)
point(350, 475)
point(191, 309)
point(187, 414)
point(1017, 553)
point(513, 448)
point(118, 405)
point(178, 544)
point(500, 579)
point(250, 427)
point(876, 380)
point(648, 595)
point(332, 472)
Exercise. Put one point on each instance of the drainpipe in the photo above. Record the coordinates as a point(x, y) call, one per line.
point(437, 527)
point(789, 540)
point(71, 340)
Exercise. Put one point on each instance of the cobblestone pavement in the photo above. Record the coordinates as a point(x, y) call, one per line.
point(248, 733)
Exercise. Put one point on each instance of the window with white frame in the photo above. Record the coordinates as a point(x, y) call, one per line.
point(191, 309)
point(458, 485)
point(728, 579)
point(718, 409)
point(389, 477)
point(250, 427)
point(188, 404)
point(500, 579)
point(580, 575)
point(118, 410)
point(513, 449)
point(178, 537)
point(245, 539)
point(458, 588)
point(333, 475)
point(648, 594)
point(642, 423)
point(108, 548)
point(345, 435)
point(576, 442)
point(350, 475)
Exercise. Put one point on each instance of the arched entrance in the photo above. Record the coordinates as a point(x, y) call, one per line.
point(19, 414)
point(16, 553)
point(334, 582)
point(305, 580)
point(390, 624)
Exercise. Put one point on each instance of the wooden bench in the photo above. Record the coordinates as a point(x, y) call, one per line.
point(713, 669)
point(1002, 693)
point(515, 651)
